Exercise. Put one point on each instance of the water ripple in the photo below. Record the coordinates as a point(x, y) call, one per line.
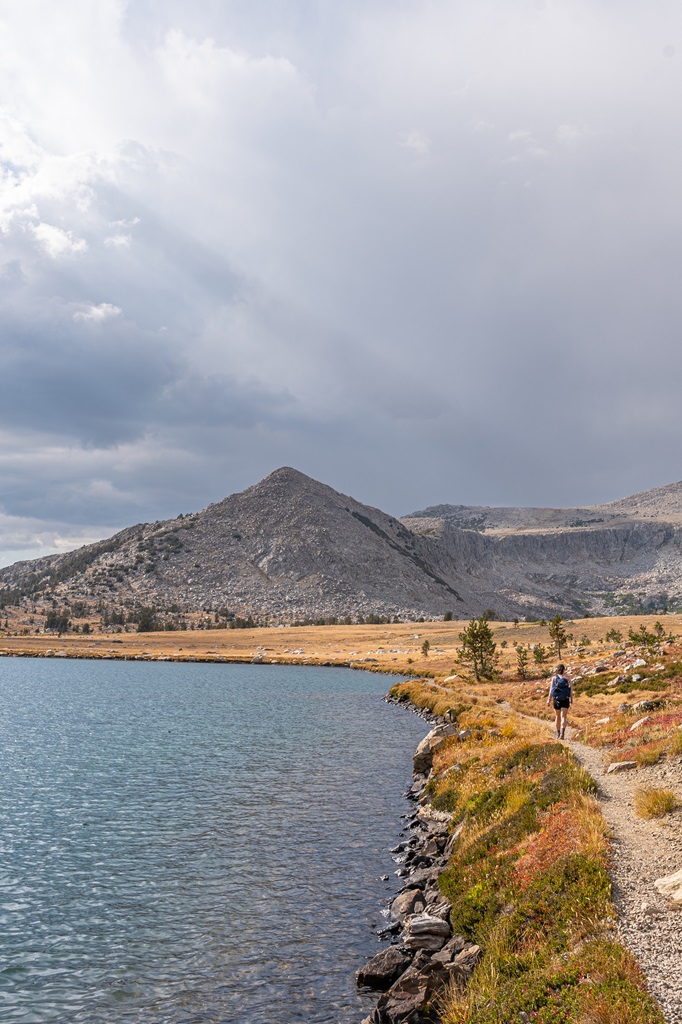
point(193, 844)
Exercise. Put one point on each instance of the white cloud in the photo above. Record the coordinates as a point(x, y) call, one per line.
point(56, 242)
point(119, 241)
point(97, 314)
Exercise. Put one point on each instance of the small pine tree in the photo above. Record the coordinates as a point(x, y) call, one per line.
point(478, 648)
point(426, 646)
point(522, 661)
point(539, 654)
point(557, 634)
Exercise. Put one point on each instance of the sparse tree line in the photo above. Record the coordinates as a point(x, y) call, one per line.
point(478, 648)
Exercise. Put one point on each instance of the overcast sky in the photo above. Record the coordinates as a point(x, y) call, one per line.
point(423, 251)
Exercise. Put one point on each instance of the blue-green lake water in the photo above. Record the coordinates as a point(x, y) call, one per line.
point(186, 844)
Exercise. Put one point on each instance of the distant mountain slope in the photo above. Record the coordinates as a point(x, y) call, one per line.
point(292, 548)
point(662, 504)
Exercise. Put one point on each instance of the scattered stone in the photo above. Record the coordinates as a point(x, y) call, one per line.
point(671, 886)
point(639, 663)
point(624, 707)
point(645, 705)
point(640, 722)
point(603, 721)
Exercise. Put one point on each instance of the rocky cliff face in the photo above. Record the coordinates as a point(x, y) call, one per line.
point(622, 556)
point(292, 548)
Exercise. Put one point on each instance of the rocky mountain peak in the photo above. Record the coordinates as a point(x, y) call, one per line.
point(290, 547)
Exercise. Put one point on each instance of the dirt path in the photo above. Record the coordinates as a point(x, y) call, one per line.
point(643, 851)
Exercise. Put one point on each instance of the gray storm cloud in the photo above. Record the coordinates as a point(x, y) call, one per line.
point(423, 251)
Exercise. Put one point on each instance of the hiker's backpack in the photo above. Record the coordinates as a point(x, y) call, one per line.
point(562, 687)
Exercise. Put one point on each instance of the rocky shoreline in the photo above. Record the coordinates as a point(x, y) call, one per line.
point(423, 956)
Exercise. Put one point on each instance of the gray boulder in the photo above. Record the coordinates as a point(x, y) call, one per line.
point(468, 957)
point(671, 886)
point(422, 762)
point(407, 1000)
point(383, 969)
point(423, 876)
point(409, 902)
point(450, 950)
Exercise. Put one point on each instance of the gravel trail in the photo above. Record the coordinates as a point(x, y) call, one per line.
point(649, 925)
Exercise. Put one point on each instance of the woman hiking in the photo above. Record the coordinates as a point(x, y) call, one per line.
point(561, 692)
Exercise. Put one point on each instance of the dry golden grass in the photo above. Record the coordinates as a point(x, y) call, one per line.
point(655, 802)
point(394, 647)
point(675, 747)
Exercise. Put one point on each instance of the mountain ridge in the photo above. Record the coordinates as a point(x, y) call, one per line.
point(665, 500)
point(291, 548)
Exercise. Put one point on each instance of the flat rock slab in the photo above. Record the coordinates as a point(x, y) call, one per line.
point(425, 924)
point(620, 766)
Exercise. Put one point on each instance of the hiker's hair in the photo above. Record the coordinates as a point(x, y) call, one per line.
point(560, 669)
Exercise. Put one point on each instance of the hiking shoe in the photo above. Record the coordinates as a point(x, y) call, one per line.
point(562, 734)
